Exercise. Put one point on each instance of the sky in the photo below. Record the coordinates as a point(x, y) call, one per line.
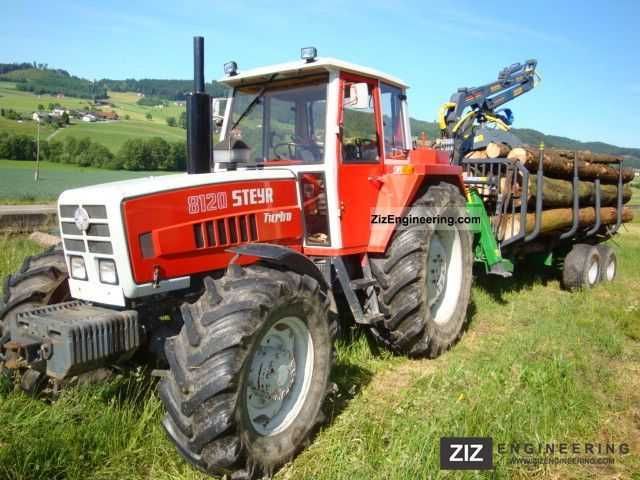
point(588, 52)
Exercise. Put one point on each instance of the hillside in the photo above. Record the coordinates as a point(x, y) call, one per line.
point(164, 89)
point(534, 137)
point(42, 80)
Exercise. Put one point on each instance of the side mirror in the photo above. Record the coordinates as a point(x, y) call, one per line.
point(358, 96)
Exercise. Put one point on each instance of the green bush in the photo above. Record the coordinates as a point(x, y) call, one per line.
point(135, 154)
point(18, 147)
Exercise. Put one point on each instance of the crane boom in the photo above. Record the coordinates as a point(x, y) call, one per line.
point(469, 109)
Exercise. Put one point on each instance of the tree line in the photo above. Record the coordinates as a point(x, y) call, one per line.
point(53, 82)
point(153, 153)
point(163, 89)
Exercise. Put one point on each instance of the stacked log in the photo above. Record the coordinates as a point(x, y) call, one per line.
point(557, 187)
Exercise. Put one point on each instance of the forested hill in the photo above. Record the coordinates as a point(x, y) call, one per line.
point(534, 137)
point(164, 89)
point(39, 79)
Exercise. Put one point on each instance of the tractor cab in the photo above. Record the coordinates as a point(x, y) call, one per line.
point(332, 123)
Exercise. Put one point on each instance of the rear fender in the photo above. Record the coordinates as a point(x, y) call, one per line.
point(399, 191)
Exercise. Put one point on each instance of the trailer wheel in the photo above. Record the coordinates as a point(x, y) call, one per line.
point(249, 371)
point(425, 278)
point(581, 267)
point(42, 280)
point(608, 263)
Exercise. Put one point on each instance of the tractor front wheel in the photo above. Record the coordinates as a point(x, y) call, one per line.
point(249, 371)
point(42, 280)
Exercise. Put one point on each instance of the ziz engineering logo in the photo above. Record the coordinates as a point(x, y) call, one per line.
point(466, 453)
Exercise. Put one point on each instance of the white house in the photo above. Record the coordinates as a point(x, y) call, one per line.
point(58, 111)
point(40, 116)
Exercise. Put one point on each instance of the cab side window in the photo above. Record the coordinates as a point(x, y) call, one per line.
point(392, 121)
point(359, 134)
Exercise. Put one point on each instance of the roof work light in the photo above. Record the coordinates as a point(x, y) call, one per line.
point(309, 54)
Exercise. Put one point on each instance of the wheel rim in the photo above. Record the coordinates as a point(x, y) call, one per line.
point(610, 271)
point(592, 273)
point(279, 377)
point(444, 274)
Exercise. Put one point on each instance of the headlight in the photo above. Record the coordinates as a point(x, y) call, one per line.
point(107, 271)
point(78, 270)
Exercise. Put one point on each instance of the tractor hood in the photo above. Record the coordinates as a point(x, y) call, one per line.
point(161, 230)
point(118, 191)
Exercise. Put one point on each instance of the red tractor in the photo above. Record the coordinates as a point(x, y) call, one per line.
point(234, 266)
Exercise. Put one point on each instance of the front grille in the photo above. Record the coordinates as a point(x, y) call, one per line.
point(226, 231)
point(74, 245)
point(96, 237)
point(100, 247)
point(98, 230)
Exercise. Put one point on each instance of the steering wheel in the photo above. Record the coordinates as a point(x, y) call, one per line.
point(290, 146)
point(365, 142)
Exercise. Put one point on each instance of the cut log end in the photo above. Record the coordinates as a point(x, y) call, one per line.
point(497, 150)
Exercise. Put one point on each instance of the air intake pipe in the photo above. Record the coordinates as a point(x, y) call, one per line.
point(199, 120)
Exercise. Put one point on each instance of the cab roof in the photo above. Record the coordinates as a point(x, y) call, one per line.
point(292, 69)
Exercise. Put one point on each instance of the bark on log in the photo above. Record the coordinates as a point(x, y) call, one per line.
point(557, 166)
point(588, 156)
point(497, 150)
point(559, 193)
point(560, 219)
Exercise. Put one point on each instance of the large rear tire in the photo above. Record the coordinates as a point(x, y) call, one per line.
point(425, 278)
point(249, 371)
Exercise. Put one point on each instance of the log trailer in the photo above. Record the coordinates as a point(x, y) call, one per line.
point(235, 266)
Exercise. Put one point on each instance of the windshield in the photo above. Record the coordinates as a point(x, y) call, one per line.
point(281, 120)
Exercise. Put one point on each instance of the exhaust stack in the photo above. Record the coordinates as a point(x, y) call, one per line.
point(199, 120)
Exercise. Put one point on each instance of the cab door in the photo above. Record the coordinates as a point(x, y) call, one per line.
point(360, 156)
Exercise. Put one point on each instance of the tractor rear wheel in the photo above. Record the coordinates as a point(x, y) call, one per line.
point(425, 278)
point(581, 267)
point(249, 371)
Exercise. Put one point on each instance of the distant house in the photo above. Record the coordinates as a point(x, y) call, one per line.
point(59, 111)
point(89, 118)
point(111, 115)
point(41, 116)
point(60, 95)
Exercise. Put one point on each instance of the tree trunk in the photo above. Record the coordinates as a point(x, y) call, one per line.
point(559, 193)
point(497, 150)
point(588, 156)
point(477, 155)
point(556, 166)
point(560, 219)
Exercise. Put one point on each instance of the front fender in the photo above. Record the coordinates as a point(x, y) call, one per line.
point(284, 257)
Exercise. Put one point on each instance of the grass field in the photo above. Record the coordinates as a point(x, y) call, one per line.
point(114, 134)
point(27, 102)
point(537, 364)
point(110, 134)
point(17, 183)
